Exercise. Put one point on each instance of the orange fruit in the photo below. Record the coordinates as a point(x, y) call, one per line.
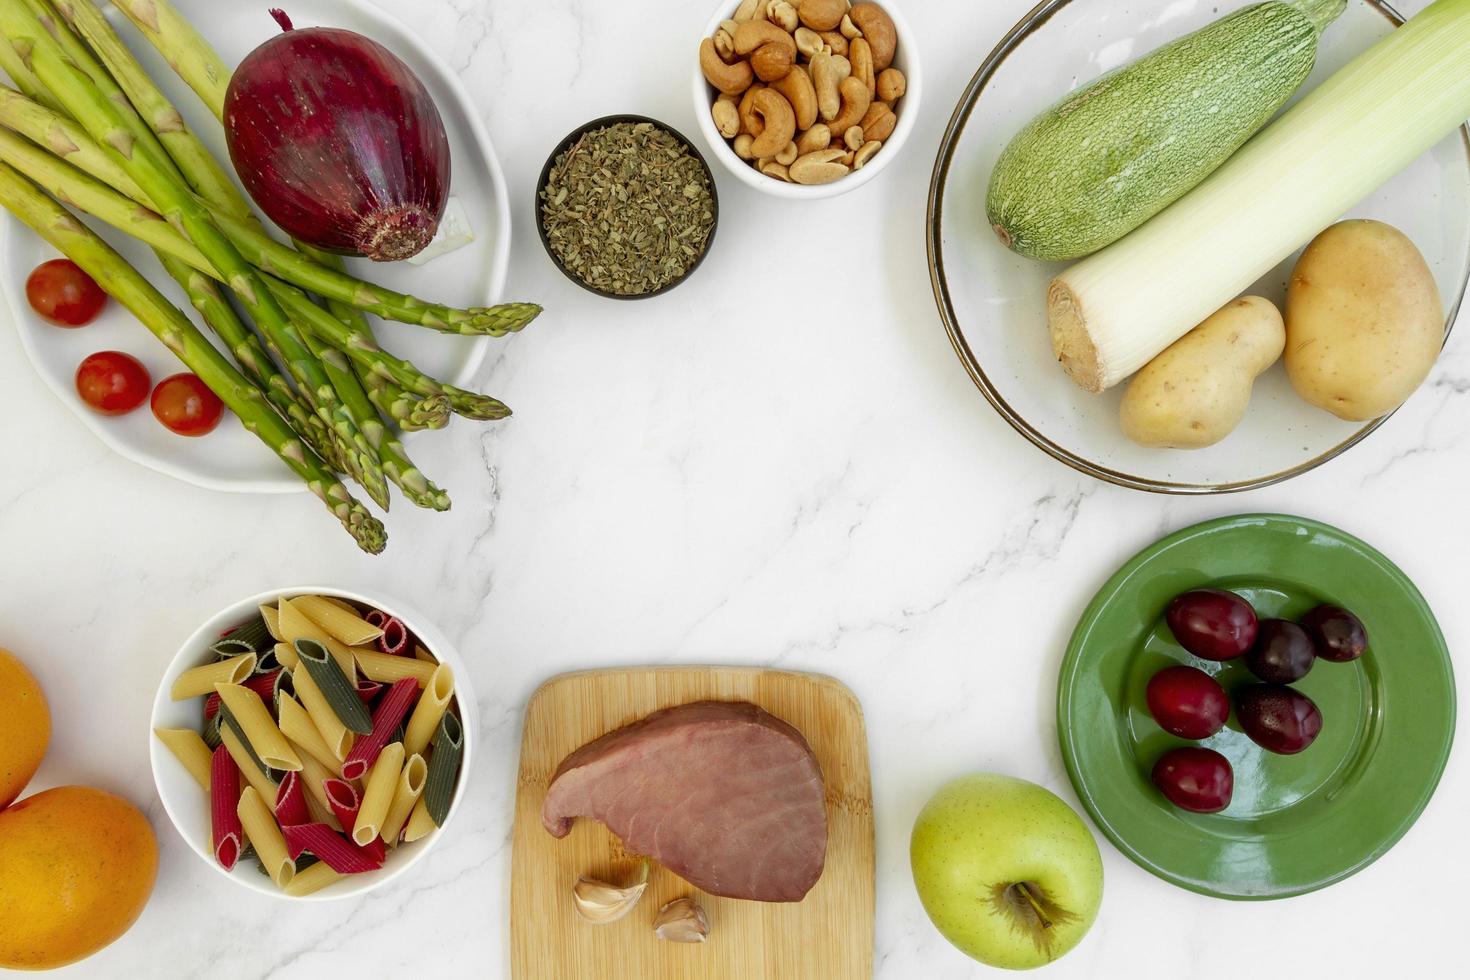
point(76, 868)
point(25, 727)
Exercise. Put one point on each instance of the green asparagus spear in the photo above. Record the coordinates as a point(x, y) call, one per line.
point(186, 51)
point(110, 126)
point(64, 138)
point(251, 356)
point(173, 328)
point(198, 165)
point(93, 197)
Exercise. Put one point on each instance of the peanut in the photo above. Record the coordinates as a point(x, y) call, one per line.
point(821, 167)
point(742, 146)
point(869, 150)
point(787, 156)
point(878, 122)
point(772, 62)
point(782, 14)
point(727, 118)
point(747, 10)
point(848, 29)
point(777, 170)
point(826, 82)
point(835, 41)
point(892, 85)
point(853, 139)
point(808, 42)
point(814, 139)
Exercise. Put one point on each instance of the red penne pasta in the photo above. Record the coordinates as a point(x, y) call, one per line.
point(395, 636)
point(291, 802)
point(387, 717)
point(336, 851)
point(211, 706)
point(224, 799)
point(265, 686)
point(367, 690)
point(345, 800)
point(375, 617)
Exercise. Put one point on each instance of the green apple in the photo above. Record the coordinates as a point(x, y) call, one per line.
point(1006, 870)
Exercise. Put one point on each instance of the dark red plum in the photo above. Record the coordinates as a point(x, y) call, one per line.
point(1212, 624)
point(1278, 718)
point(1187, 702)
point(1195, 779)
point(1338, 635)
point(1283, 653)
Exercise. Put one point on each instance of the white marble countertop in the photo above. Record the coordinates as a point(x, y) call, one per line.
point(782, 462)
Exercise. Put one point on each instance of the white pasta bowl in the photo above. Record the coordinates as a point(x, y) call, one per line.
point(188, 807)
point(906, 60)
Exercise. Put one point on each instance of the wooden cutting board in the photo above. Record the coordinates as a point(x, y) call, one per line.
point(827, 935)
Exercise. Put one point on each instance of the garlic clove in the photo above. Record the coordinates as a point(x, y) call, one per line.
point(600, 902)
point(682, 921)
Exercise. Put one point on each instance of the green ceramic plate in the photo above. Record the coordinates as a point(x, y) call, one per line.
point(1296, 823)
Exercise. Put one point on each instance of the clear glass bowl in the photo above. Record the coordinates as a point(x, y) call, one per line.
point(992, 301)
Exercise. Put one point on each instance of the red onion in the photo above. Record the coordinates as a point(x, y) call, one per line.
point(338, 142)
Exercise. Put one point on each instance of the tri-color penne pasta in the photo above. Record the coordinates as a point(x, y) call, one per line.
point(328, 734)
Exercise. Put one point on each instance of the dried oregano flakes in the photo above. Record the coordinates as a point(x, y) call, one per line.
point(628, 208)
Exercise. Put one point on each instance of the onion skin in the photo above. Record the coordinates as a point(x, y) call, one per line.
point(339, 143)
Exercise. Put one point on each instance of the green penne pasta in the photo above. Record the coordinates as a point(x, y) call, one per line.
point(341, 694)
point(255, 633)
point(210, 732)
point(228, 720)
point(267, 661)
point(444, 769)
point(230, 647)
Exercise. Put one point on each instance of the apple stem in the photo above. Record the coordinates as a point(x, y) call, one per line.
point(1035, 905)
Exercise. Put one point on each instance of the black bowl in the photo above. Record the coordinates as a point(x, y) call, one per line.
point(575, 135)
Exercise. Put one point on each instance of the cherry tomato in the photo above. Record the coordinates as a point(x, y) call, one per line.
point(112, 383)
point(63, 294)
point(186, 406)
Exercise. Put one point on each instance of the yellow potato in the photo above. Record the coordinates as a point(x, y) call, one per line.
point(1195, 393)
point(1364, 321)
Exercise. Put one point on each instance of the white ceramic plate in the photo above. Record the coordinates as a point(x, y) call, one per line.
point(993, 301)
point(188, 807)
point(231, 458)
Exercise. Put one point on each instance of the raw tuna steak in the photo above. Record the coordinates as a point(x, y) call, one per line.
point(722, 794)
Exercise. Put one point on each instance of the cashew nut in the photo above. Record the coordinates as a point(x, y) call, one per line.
point(855, 104)
point(782, 14)
point(878, 29)
point(861, 56)
point(878, 122)
point(787, 156)
point(835, 41)
point(853, 139)
point(808, 41)
point(826, 82)
point(726, 115)
point(822, 15)
point(847, 28)
point(742, 146)
point(821, 167)
point(747, 10)
point(729, 79)
point(749, 122)
point(892, 85)
point(772, 62)
point(869, 150)
point(779, 123)
point(797, 87)
point(814, 139)
point(754, 33)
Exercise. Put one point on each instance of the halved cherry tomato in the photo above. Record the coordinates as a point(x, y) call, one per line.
point(112, 383)
point(63, 294)
point(186, 406)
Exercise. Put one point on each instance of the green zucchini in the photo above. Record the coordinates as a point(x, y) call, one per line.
point(1113, 154)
